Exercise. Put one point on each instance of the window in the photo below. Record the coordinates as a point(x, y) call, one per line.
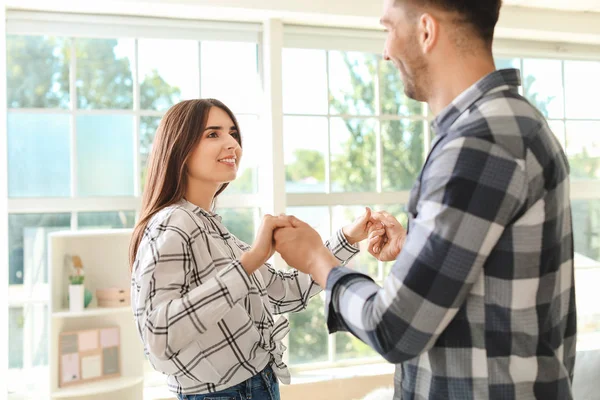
point(351, 139)
point(82, 114)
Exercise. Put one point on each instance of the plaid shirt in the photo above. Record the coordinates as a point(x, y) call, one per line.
point(203, 320)
point(480, 302)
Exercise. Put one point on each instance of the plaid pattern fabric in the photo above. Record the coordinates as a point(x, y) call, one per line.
point(480, 302)
point(203, 320)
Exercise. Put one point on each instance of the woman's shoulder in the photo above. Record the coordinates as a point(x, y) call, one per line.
point(174, 218)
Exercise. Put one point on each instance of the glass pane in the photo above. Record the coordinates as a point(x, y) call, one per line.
point(393, 100)
point(239, 221)
point(558, 128)
point(148, 126)
point(106, 220)
point(352, 83)
point(583, 149)
point(105, 155)
point(349, 347)
point(169, 72)
point(363, 261)
point(245, 182)
point(308, 333)
point(104, 77)
point(304, 81)
point(39, 163)
point(403, 152)
point(586, 230)
point(504, 63)
point(229, 72)
point(579, 83)
point(28, 344)
point(317, 217)
point(37, 71)
point(353, 155)
point(305, 152)
point(27, 246)
point(542, 85)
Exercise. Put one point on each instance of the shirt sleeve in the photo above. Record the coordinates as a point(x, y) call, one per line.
point(470, 191)
point(290, 291)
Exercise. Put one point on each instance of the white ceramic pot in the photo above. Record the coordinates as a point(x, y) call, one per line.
point(76, 298)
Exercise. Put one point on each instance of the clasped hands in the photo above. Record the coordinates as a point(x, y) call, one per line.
point(302, 247)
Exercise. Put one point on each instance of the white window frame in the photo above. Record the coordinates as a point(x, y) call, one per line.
point(100, 26)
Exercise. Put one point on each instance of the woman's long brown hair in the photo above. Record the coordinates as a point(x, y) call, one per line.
point(177, 135)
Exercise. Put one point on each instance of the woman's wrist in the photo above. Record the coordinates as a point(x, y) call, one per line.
point(250, 262)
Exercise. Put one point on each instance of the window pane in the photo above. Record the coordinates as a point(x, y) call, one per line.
point(353, 155)
point(308, 333)
point(39, 161)
point(27, 237)
point(393, 100)
point(583, 149)
point(352, 83)
point(586, 230)
point(229, 72)
point(542, 85)
point(558, 128)
point(106, 220)
point(305, 149)
point(104, 73)
point(169, 72)
point(239, 221)
point(304, 81)
point(105, 155)
point(403, 152)
point(37, 72)
point(148, 126)
point(348, 347)
point(580, 81)
point(29, 323)
point(245, 182)
point(504, 63)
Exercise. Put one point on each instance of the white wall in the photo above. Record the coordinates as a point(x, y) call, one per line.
point(515, 22)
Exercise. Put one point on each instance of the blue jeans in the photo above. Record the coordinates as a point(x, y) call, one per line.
point(262, 386)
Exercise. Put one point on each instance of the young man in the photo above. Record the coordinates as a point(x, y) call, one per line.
point(480, 302)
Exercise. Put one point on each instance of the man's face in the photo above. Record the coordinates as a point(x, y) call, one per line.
point(402, 48)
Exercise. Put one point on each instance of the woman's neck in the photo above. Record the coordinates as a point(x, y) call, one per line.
point(201, 195)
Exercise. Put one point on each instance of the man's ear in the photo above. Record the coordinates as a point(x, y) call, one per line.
point(428, 29)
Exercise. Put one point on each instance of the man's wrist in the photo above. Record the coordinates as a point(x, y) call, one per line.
point(321, 266)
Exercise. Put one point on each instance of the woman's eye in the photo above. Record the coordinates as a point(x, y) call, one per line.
point(212, 135)
point(235, 135)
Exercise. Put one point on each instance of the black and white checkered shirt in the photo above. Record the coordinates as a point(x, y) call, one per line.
point(480, 303)
point(203, 320)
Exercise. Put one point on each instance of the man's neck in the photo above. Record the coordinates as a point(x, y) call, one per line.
point(453, 78)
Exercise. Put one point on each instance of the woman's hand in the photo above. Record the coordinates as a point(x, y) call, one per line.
point(264, 245)
point(358, 230)
point(385, 242)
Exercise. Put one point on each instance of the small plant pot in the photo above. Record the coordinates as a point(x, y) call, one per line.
point(76, 298)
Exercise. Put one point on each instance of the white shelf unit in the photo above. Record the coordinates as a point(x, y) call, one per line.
point(104, 254)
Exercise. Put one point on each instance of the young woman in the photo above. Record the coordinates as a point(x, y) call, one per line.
point(203, 300)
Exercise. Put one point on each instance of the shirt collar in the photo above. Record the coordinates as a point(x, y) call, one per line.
point(509, 78)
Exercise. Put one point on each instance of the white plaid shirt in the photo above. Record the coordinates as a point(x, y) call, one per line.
point(480, 303)
point(203, 320)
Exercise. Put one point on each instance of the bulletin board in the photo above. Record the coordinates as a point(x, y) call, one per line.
point(89, 355)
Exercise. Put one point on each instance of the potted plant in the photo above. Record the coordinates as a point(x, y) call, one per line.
point(76, 288)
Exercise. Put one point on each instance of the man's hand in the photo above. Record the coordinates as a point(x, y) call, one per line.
point(359, 230)
point(301, 247)
point(386, 243)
